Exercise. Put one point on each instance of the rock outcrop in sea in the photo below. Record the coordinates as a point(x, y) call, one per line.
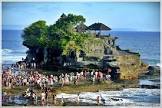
point(76, 52)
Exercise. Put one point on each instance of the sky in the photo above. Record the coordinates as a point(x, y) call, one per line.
point(140, 16)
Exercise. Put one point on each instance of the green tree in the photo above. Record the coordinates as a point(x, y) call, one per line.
point(35, 34)
point(59, 39)
point(63, 33)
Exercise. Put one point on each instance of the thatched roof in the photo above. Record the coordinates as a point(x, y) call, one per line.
point(98, 26)
point(81, 28)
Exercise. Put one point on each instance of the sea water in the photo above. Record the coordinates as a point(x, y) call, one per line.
point(146, 43)
point(12, 48)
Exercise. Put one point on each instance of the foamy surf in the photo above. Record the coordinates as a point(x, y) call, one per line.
point(10, 56)
point(125, 97)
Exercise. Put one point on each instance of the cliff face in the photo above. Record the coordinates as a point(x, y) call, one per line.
point(109, 55)
point(98, 47)
point(94, 47)
point(130, 66)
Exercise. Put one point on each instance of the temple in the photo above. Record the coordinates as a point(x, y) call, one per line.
point(100, 52)
point(103, 52)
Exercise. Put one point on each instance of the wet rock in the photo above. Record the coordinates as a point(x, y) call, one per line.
point(116, 99)
point(152, 70)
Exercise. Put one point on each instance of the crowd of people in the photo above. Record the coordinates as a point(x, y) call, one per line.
point(18, 75)
point(23, 78)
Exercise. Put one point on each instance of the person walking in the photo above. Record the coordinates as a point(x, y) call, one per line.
point(93, 79)
point(46, 94)
point(43, 97)
point(62, 100)
point(98, 100)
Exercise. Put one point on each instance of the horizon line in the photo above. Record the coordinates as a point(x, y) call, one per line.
point(116, 29)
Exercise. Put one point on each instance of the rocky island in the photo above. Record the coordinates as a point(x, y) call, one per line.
point(70, 57)
point(70, 44)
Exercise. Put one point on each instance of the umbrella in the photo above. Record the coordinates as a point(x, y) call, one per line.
point(98, 26)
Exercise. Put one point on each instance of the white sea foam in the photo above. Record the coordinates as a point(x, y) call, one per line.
point(12, 56)
point(158, 64)
point(146, 82)
point(11, 51)
point(130, 96)
point(6, 51)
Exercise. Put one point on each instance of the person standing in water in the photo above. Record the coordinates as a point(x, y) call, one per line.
point(62, 100)
point(78, 99)
point(98, 100)
point(54, 98)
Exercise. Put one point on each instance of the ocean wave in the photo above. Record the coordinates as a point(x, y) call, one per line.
point(4, 51)
point(11, 51)
point(130, 96)
point(12, 58)
point(158, 64)
point(152, 62)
